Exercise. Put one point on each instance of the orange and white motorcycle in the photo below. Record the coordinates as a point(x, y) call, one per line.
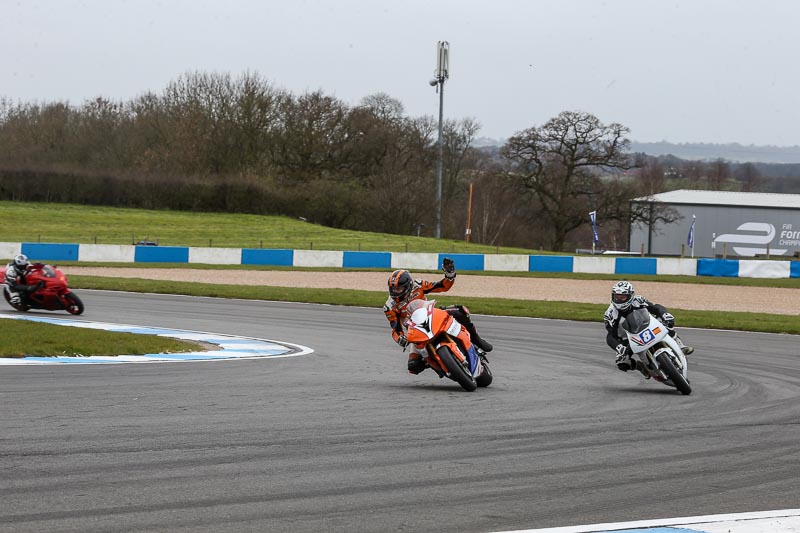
point(447, 347)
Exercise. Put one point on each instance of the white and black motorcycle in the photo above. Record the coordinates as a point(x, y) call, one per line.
point(662, 357)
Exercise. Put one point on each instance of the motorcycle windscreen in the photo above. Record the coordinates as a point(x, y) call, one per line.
point(636, 322)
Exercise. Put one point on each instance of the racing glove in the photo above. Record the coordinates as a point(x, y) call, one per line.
point(449, 268)
point(668, 320)
point(402, 341)
point(623, 359)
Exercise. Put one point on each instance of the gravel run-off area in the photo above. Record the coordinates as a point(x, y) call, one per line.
point(673, 295)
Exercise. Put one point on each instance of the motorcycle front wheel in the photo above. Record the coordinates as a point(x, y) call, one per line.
point(458, 372)
point(74, 304)
point(665, 364)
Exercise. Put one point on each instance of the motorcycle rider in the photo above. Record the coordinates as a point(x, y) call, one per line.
point(623, 302)
point(15, 278)
point(403, 290)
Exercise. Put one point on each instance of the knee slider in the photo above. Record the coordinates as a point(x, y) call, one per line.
point(415, 366)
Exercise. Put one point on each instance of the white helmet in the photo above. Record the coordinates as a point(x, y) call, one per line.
point(622, 295)
point(21, 263)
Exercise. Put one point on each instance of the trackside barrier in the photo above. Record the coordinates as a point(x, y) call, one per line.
point(621, 266)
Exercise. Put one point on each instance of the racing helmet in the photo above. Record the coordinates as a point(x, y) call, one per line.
point(400, 284)
point(20, 263)
point(622, 295)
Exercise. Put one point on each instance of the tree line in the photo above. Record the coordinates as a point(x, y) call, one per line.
point(215, 142)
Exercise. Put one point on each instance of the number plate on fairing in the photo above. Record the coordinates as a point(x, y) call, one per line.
point(454, 329)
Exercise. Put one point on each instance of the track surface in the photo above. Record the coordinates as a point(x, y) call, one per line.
point(345, 440)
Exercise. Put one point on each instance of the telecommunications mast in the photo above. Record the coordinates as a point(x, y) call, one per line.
point(439, 76)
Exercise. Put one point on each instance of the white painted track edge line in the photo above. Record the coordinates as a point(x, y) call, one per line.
point(665, 522)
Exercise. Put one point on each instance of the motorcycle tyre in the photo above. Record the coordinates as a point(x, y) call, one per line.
point(485, 379)
point(74, 305)
point(19, 307)
point(457, 372)
point(665, 364)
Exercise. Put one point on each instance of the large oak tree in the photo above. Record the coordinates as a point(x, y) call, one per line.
point(566, 166)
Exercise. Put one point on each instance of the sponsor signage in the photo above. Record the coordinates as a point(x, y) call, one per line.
point(755, 238)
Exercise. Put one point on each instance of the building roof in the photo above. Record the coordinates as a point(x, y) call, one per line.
point(729, 198)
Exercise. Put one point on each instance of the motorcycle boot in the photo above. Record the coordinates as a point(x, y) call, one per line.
point(478, 341)
point(641, 368)
point(461, 314)
point(685, 349)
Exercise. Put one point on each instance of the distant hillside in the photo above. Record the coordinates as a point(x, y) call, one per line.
point(734, 152)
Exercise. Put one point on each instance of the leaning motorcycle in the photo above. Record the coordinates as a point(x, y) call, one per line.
point(650, 342)
point(448, 349)
point(51, 291)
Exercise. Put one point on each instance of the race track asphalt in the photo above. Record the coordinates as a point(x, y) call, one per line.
point(345, 440)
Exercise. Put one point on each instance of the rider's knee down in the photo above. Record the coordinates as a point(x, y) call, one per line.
point(415, 366)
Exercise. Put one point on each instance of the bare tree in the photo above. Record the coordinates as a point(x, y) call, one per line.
point(563, 164)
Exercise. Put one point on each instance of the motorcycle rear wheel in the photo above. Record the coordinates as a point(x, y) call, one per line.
point(665, 364)
point(74, 304)
point(457, 371)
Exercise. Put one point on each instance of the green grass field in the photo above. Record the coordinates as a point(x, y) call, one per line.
point(64, 223)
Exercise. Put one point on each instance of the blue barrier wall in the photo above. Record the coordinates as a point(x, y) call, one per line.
point(550, 263)
point(161, 254)
point(794, 269)
point(636, 265)
point(728, 268)
point(600, 264)
point(257, 256)
point(367, 260)
point(465, 261)
point(37, 251)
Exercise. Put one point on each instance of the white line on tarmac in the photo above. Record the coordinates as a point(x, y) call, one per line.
point(782, 521)
point(229, 346)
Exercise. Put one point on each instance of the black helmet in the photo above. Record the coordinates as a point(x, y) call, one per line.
point(400, 284)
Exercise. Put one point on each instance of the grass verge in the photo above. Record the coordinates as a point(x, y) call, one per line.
point(69, 223)
point(23, 337)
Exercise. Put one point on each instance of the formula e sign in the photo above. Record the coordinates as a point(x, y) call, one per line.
point(755, 238)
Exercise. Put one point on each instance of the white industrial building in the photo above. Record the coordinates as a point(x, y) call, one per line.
point(734, 224)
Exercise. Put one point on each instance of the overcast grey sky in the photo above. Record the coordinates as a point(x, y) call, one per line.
point(712, 71)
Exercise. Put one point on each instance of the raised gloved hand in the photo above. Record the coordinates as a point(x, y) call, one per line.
point(449, 268)
point(402, 341)
point(668, 320)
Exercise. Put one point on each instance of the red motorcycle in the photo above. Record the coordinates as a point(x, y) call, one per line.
point(51, 292)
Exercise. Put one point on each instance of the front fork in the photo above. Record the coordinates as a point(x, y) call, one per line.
point(474, 364)
point(677, 357)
